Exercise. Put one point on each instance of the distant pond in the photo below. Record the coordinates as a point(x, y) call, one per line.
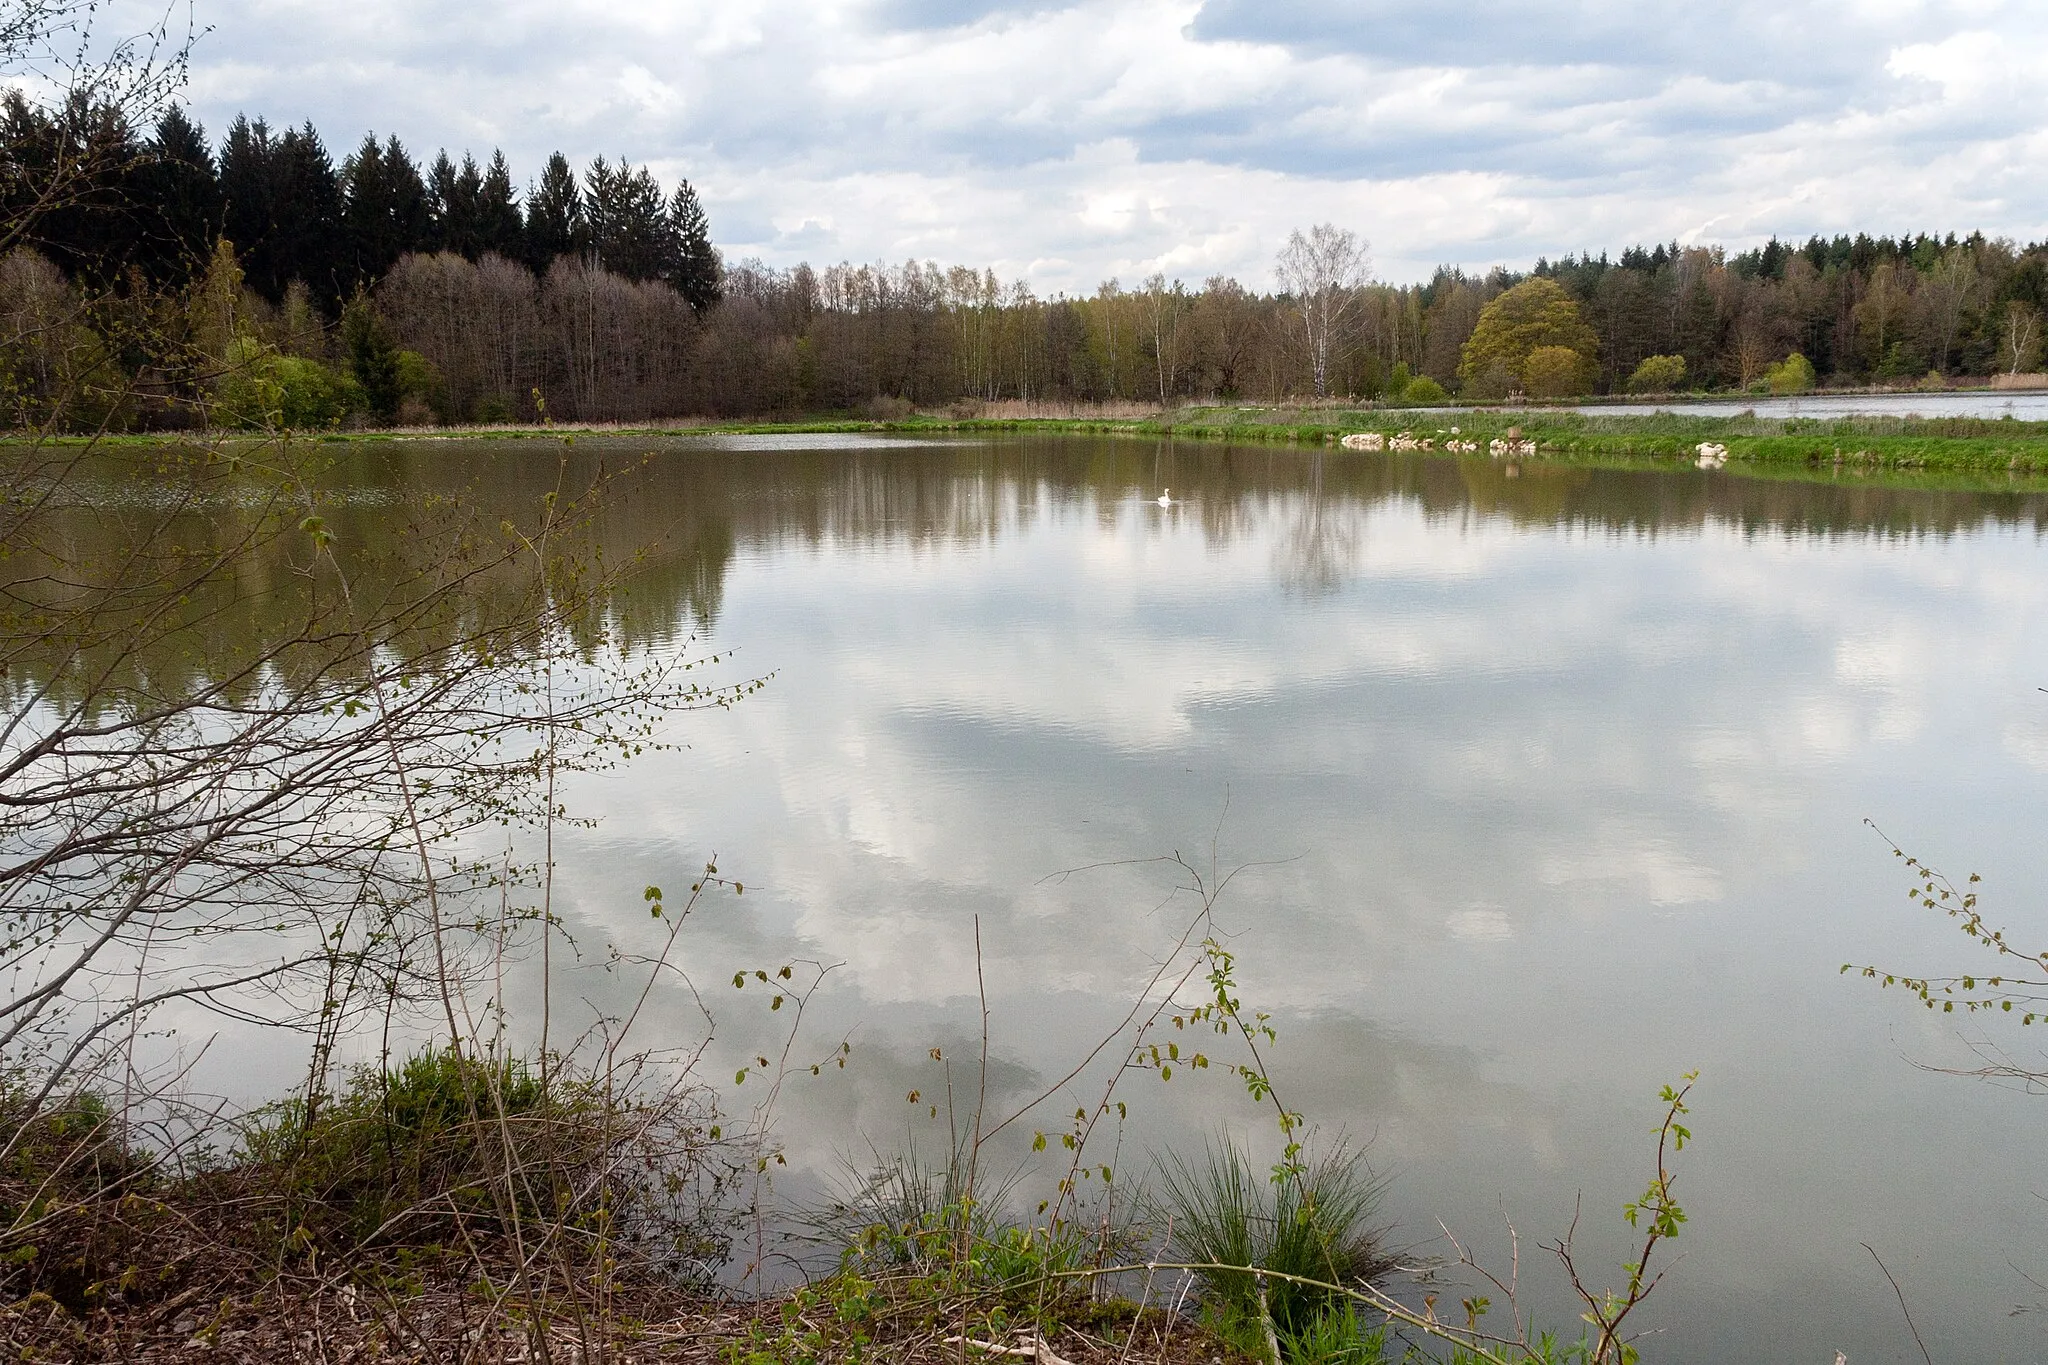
point(1556, 780)
point(2021, 407)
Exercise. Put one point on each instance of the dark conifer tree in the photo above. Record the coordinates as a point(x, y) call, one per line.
point(306, 217)
point(248, 183)
point(466, 210)
point(647, 244)
point(440, 178)
point(697, 273)
point(372, 357)
point(498, 225)
point(110, 213)
point(384, 209)
point(630, 232)
point(603, 196)
point(366, 213)
point(69, 183)
point(555, 224)
point(180, 200)
point(454, 200)
point(459, 205)
point(27, 141)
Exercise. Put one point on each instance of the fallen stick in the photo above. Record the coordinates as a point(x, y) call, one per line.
point(1037, 1350)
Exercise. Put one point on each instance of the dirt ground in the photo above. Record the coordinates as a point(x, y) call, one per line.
point(451, 1325)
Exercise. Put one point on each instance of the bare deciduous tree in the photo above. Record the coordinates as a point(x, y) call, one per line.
point(1322, 273)
point(240, 744)
point(2020, 340)
point(1164, 307)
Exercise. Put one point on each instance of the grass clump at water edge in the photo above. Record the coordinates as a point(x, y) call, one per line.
point(1312, 1223)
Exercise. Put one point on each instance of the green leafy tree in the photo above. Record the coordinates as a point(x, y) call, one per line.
point(1902, 360)
point(421, 390)
point(1554, 372)
point(1535, 313)
point(1658, 374)
point(1793, 374)
point(267, 391)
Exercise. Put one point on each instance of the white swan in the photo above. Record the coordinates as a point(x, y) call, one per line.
point(1165, 498)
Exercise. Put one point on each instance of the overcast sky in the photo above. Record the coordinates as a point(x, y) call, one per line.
point(1067, 144)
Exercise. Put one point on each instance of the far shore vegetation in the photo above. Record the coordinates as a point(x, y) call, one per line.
point(263, 281)
point(1958, 452)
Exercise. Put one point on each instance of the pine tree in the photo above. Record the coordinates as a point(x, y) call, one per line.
point(455, 202)
point(630, 231)
point(385, 213)
point(646, 244)
point(603, 192)
point(697, 272)
point(25, 146)
point(249, 193)
point(179, 197)
point(555, 225)
point(306, 217)
point(372, 357)
point(70, 184)
point(499, 227)
point(441, 194)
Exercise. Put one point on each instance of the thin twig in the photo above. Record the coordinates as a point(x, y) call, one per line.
point(1902, 1302)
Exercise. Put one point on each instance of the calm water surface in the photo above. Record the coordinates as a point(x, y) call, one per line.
point(2022, 407)
point(1558, 779)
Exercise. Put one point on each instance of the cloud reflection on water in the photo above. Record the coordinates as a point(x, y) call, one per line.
point(1559, 781)
point(1562, 775)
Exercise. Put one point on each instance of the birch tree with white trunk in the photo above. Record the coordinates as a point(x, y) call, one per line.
point(1322, 273)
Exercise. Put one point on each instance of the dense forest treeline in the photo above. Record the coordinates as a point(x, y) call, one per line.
point(311, 293)
point(158, 204)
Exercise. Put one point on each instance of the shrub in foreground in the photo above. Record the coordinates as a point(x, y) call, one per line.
point(451, 1147)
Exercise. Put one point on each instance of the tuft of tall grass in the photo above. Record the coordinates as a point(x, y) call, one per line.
point(904, 1216)
point(1334, 1336)
point(449, 1147)
point(1316, 1223)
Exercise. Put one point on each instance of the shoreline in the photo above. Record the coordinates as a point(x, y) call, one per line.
point(2006, 451)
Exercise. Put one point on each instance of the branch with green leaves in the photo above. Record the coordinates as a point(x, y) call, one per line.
point(2020, 988)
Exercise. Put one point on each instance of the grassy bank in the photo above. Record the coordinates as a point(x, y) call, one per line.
point(462, 1208)
point(1797, 446)
point(461, 1205)
point(1870, 443)
point(459, 1208)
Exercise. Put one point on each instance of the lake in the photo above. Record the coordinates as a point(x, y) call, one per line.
point(2028, 406)
point(1555, 781)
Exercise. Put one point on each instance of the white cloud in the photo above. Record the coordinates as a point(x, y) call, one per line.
point(1070, 143)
